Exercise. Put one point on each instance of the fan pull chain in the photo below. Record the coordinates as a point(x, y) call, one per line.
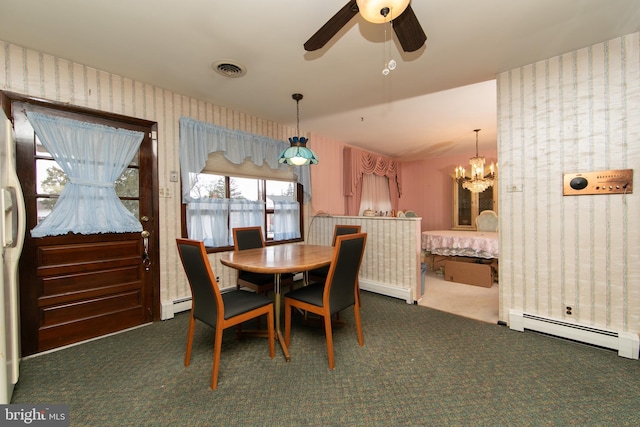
point(385, 69)
point(391, 64)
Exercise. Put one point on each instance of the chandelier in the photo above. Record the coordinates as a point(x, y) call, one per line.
point(478, 182)
point(298, 154)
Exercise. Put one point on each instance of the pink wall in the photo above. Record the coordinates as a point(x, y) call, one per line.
point(427, 189)
point(326, 177)
point(426, 184)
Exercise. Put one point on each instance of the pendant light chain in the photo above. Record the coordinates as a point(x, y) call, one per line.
point(298, 117)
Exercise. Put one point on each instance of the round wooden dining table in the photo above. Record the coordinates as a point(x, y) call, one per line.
point(278, 259)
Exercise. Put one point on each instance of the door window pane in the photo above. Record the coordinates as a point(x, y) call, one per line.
point(44, 206)
point(127, 185)
point(40, 150)
point(132, 206)
point(50, 179)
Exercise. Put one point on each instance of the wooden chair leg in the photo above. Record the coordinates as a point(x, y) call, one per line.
point(272, 335)
point(217, 349)
point(329, 334)
point(356, 311)
point(287, 322)
point(187, 356)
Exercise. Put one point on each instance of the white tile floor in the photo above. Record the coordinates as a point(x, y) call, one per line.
point(470, 301)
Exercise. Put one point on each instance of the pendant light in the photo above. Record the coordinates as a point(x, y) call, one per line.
point(298, 154)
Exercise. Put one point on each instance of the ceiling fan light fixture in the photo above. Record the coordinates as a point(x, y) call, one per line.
point(372, 10)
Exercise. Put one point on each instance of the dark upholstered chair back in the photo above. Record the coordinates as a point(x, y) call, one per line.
point(205, 293)
point(247, 238)
point(342, 281)
point(320, 274)
point(341, 230)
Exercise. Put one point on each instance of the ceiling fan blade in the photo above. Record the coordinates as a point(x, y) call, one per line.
point(331, 28)
point(408, 30)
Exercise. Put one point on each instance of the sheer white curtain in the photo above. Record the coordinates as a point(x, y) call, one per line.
point(93, 156)
point(375, 194)
point(286, 218)
point(245, 213)
point(207, 221)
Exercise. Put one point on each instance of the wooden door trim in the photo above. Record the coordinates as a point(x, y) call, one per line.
point(149, 160)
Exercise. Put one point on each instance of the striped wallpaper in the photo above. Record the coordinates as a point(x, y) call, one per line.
point(577, 112)
point(40, 75)
point(391, 261)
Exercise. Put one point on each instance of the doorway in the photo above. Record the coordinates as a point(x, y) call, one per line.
point(75, 287)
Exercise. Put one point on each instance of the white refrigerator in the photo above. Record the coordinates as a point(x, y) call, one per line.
point(12, 231)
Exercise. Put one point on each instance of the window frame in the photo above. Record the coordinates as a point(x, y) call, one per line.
point(299, 191)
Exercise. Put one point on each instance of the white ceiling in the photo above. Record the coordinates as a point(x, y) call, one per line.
point(427, 107)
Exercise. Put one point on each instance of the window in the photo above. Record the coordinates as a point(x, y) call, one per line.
point(375, 194)
point(223, 202)
point(51, 179)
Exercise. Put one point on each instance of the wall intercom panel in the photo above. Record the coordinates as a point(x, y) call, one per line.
point(600, 182)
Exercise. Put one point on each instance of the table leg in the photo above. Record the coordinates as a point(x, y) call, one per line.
point(279, 336)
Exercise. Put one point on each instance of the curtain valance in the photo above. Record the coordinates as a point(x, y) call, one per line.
point(199, 139)
point(358, 162)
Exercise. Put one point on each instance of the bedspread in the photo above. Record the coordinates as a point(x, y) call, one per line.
point(478, 244)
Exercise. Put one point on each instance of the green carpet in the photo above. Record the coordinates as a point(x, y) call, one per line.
point(418, 367)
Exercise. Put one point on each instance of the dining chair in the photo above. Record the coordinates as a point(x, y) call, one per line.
point(338, 292)
point(216, 309)
point(320, 274)
point(251, 238)
point(487, 221)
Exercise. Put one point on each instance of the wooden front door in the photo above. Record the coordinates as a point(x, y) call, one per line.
point(76, 287)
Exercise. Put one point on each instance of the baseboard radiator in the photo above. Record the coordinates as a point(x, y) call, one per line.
point(170, 308)
point(627, 343)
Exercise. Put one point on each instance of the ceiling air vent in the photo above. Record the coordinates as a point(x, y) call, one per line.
point(229, 69)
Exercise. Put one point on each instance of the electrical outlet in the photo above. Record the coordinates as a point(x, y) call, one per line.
point(164, 192)
point(514, 188)
point(569, 310)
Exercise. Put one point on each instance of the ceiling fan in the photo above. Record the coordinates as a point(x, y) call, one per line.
point(404, 20)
